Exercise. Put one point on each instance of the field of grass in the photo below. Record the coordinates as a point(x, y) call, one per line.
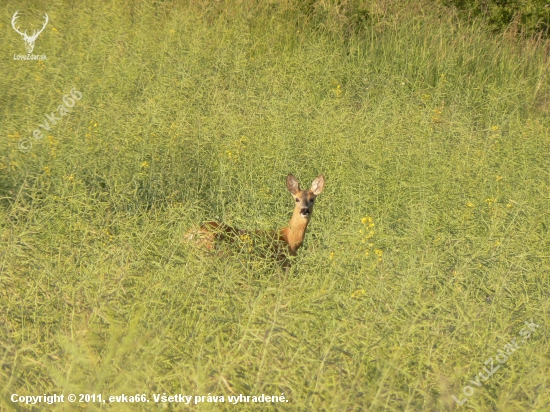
point(427, 251)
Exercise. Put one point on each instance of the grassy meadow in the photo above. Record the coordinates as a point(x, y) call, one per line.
point(426, 253)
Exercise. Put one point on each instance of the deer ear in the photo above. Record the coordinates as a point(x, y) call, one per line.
point(292, 184)
point(317, 185)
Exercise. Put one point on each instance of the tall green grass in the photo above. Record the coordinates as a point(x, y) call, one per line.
point(426, 252)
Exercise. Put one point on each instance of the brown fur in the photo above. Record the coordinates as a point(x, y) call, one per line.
point(284, 242)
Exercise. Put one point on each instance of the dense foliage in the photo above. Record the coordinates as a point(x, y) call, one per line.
point(528, 18)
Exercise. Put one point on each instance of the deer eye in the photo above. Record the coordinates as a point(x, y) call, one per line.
point(297, 200)
point(312, 200)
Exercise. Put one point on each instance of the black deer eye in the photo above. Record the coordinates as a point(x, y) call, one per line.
point(312, 200)
point(297, 200)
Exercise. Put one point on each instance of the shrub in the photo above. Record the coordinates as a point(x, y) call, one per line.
point(527, 18)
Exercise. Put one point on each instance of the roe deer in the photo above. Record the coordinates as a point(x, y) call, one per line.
point(284, 242)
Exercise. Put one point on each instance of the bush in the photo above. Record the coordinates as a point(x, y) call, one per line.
point(527, 18)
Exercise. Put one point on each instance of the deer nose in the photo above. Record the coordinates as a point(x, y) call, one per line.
point(304, 211)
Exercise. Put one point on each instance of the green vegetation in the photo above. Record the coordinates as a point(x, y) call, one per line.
point(427, 250)
point(528, 18)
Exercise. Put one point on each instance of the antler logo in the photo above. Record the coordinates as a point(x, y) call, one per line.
point(29, 40)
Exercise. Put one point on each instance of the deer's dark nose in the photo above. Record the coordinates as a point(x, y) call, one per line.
point(304, 211)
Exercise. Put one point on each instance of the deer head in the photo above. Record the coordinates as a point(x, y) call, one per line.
point(29, 40)
point(304, 198)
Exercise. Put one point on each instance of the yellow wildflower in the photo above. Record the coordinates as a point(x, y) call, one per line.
point(366, 219)
point(358, 293)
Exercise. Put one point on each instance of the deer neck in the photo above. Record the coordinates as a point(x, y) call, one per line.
point(294, 233)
